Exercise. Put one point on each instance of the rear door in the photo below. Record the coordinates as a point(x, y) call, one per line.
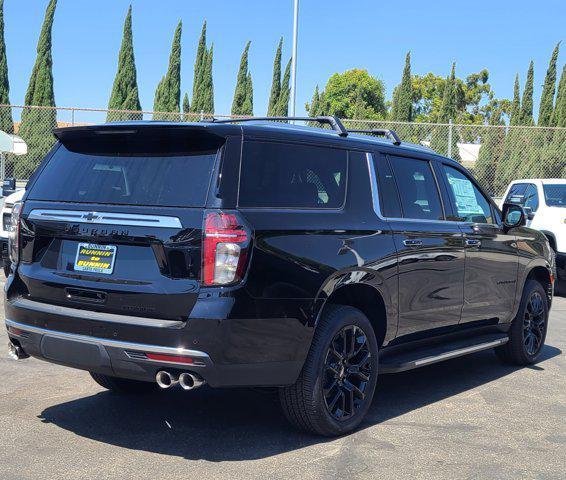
point(491, 253)
point(113, 222)
point(430, 248)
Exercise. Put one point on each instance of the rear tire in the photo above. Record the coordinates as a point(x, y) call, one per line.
point(335, 388)
point(123, 385)
point(528, 329)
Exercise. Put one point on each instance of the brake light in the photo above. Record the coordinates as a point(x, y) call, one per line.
point(225, 247)
point(14, 233)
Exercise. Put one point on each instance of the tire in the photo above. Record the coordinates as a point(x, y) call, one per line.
point(310, 404)
point(123, 385)
point(520, 350)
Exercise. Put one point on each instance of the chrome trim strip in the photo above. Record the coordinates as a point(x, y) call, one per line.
point(460, 352)
point(106, 218)
point(26, 304)
point(108, 342)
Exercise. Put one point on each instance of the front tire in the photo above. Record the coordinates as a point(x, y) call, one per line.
point(335, 388)
point(123, 385)
point(528, 329)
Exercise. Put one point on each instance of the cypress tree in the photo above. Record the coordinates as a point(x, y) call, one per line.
point(241, 92)
point(248, 107)
point(200, 67)
point(314, 107)
point(282, 107)
point(6, 122)
point(548, 90)
point(527, 100)
point(276, 83)
point(37, 125)
point(515, 115)
point(168, 93)
point(402, 107)
point(559, 114)
point(448, 111)
point(490, 152)
point(125, 94)
point(207, 85)
point(186, 107)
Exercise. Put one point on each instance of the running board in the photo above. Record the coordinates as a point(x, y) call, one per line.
point(419, 357)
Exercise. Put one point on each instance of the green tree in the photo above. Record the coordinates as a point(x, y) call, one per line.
point(6, 122)
point(37, 124)
point(186, 107)
point(276, 82)
point(125, 95)
point(207, 86)
point(168, 93)
point(547, 98)
point(249, 102)
point(559, 114)
point(241, 104)
point(282, 108)
point(197, 103)
point(490, 152)
point(402, 107)
point(515, 116)
point(527, 100)
point(448, 112)
point(345, 92)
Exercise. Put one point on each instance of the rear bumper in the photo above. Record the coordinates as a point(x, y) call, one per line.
point(226, 352)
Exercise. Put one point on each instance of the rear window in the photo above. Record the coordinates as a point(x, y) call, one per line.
point(280, 175)
point(180, 180)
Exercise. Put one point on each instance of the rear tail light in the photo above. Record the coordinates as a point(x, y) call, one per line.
point(225, 248)
point(14, 233)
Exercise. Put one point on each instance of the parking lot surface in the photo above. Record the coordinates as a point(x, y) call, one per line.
point(467, 418)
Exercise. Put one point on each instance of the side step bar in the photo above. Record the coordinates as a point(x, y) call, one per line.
point(419, 357)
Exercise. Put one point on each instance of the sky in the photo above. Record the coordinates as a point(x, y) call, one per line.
point(334, 36)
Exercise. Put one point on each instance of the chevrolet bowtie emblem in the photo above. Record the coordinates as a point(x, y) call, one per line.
point(90, 217)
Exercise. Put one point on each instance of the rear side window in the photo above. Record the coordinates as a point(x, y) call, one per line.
point(134, 180)
point(281, 175)
point(516, 193)
point(417, 187)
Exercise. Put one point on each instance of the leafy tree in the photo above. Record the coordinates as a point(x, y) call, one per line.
point(242, 105)
point(346, 92)
point(276, 82)
point(490, 153)
point(200, 67)
point(402, 107)
point(282, 107)
point(6, 122)
point(547, 98)
point(527, 100)
point(37, 124)
point(168, 94)
point(186, 107)
point(559, 114)
point(448, 112)
point(515, 115)
point(125, 94)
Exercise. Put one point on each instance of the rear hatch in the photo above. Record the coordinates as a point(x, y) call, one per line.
point(113, 221)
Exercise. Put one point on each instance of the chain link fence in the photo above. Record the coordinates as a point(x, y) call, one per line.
point(495, 154)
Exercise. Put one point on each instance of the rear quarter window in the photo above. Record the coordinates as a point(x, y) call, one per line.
point(278, 175)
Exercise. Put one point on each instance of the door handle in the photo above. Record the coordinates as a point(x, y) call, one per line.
point(472, 242)
point(413, 243)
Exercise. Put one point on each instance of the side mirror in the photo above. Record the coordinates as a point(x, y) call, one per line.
point(8, 186)
point(513, 216)
point(529, 212)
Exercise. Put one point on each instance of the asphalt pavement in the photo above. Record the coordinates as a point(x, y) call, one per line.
point(471, 417)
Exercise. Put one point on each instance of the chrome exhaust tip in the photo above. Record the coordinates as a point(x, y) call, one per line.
point(189, 381)
point(165, 379)
point(16, 352)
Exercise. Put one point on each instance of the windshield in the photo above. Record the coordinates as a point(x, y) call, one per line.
point(181, 180)
point(555, 194)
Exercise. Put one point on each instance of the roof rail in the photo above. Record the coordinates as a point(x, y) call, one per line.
point(334, 122)
point(382, 132)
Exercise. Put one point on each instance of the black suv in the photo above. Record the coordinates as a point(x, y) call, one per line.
point(269, 255)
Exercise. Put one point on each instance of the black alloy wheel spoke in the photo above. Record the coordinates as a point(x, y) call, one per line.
point(534, 324)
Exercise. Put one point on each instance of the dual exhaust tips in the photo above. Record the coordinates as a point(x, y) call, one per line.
point(188, 381)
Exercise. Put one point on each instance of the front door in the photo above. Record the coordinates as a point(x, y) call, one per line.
point(491, 254)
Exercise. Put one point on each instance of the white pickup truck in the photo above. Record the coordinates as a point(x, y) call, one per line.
point(545, 202)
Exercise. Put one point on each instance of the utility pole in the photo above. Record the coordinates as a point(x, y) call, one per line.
point(294, 59)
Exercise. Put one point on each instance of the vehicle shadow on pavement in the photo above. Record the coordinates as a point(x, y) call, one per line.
point(244, 424)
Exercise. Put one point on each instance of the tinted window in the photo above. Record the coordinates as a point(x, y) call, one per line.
point(471, 205)
point(135, 180)
point(516, 193)
point(531, 198)
point(417, 188)
point(281, 175)
point(555, 194)
point(388, 196)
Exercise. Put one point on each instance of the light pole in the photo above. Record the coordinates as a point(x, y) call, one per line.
point(294, 59)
